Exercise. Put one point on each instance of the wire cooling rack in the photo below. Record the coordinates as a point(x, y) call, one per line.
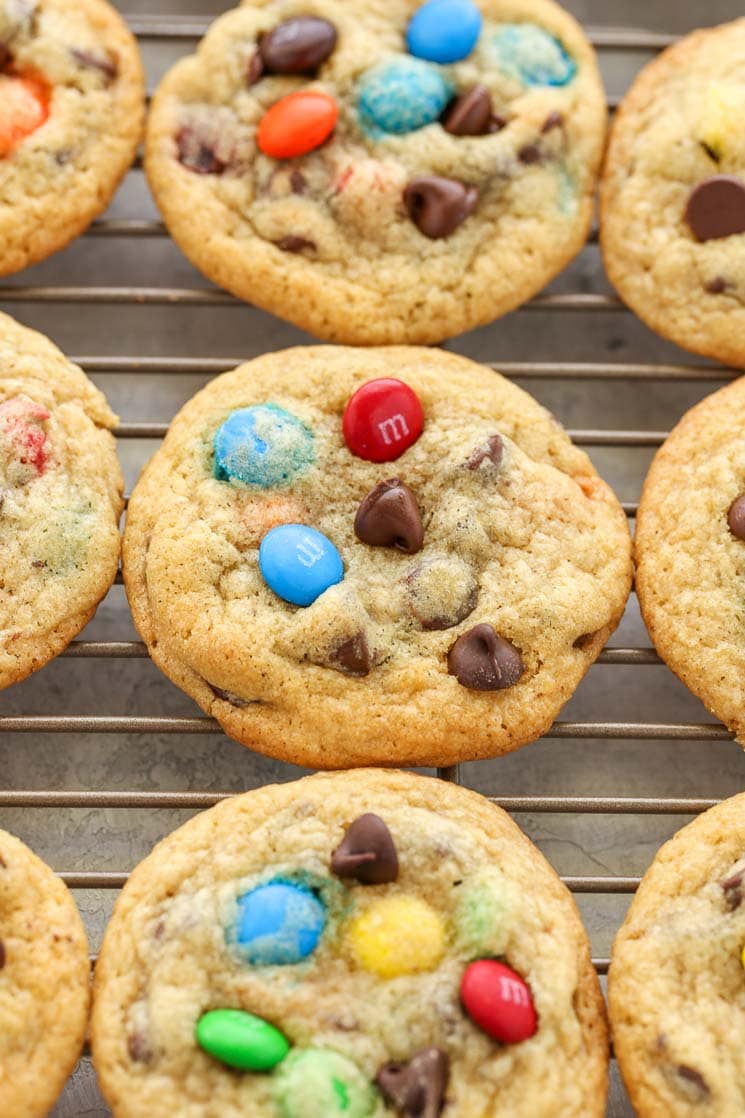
point(581, 321)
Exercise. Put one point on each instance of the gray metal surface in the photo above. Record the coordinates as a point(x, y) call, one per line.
point(101, 756)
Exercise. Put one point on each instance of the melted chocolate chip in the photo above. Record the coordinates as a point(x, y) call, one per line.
point(492, 450)
point(298, 182)
point(196, 153)
point(367, 852)
point(255, 71)
point(353, 655)
point(416, 1089)
point(470, 114)
point(293, 243)
point(695, 1079)
point(138, 1048)
point(736, 517)
point(717, 285)
point(483, 661)
point(2, 954)
point(732, 889)
point(104, 63)
point(438, 206)
point(389, 517)
point(530, 154)
point(298, 46)
point(716, 208)
point(553, 120)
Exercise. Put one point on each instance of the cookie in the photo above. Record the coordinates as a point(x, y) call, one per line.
point(60, 500)
point(677, 984)
point(690, 553)
point(673, 195)
point(373, 556)
point(381, 174)
point(329, 948)
point(44, 983)
point(71, 115)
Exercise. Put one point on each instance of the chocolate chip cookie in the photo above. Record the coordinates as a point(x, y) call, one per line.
point(44, 983)
point(381, 174)
point(673, 195)
point(374, 556)
point(71, 115)
point(354, 945)
point(60, 500)
point(677, 978)
point(690, 553)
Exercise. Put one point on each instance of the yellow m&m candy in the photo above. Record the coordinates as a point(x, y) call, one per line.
point(742, 956)
point(397, 935)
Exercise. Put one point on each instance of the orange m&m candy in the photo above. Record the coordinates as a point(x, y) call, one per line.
point(297, 124)
point(24, 106)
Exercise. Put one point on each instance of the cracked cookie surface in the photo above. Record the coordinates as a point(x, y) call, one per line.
point(332, 610)
point(677, 983)
point(71, 114)
point(447, 195)
point(175, 953)
point(673, 195)
point(60, 500)
point(44, 983)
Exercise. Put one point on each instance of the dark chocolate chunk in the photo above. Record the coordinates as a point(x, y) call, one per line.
point(298, 46)
point(353, 655)
point(438, 206)
point(367, 852)
point(106, 64)
point(530, 154)
point(716, 208)
point(483, 661)
point(416, 1089)
point(293, 243)
point(471, 114)
point(695, 1079)
point(298, 182)
point(389, 517)
point(255, 70)
point(2, 954)
point(736, 517)
point(732, 889)
point(138, 1048)
point(197, 153)
point(717, 285)
point(553, 120)
point(492, 449)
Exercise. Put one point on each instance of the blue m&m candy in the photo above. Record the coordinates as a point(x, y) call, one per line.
point(531, 55)
point(444, 30)
point(298, 563)
point(279, 923)
point(403, 95)
point(264, 446)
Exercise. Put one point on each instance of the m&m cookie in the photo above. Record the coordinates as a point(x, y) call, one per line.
point(673, 194)
point(60, 501)
point(72, 103)
point(381, 173)
point(677, 977)
point(374, 556)
point(44, 983)
point(356, 945)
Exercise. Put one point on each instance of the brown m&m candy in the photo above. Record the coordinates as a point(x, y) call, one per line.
point(736, 517)
point(438, 206)
point(389, 517)
point(298, 46)
point(367, 852)
point(416, 1089)
point(716, 208)
point(483, 661)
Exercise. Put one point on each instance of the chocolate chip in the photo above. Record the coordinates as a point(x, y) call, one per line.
point(196, 153)
point(716, 208)
point(298, 182)
point(438, 206)
point(442, 592)
point(2, 954)
point(553, 120)
point(736, 517)
point(298, 46)
point(255, 71)
point(138, 1048)
point(717, 285)
point(483, 661)
point(353, 655)
point(530, 154)
point(470, 114)
point(585, 641)
point(293, 243)
point(492, 450)
point(104, 63)
point(367, 852)
point(229, 696)
point(389, 517)
point(5, 56)
point(416, 1089)
point(732, 889)
point(713, 155)
point(695, 1079)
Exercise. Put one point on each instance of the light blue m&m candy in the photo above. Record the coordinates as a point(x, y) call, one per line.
point(531, 55)
point(264, 446)
point(403, 95)
point(444, 30)
point(279, 923)
point(298, 563)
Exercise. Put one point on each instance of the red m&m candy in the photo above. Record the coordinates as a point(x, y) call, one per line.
point(382, 420)
point(24, 107)
point(498, 1001)
point(297, 124)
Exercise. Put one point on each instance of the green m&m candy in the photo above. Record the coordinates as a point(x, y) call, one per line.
point(320, 1083)
point(241, 1040)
